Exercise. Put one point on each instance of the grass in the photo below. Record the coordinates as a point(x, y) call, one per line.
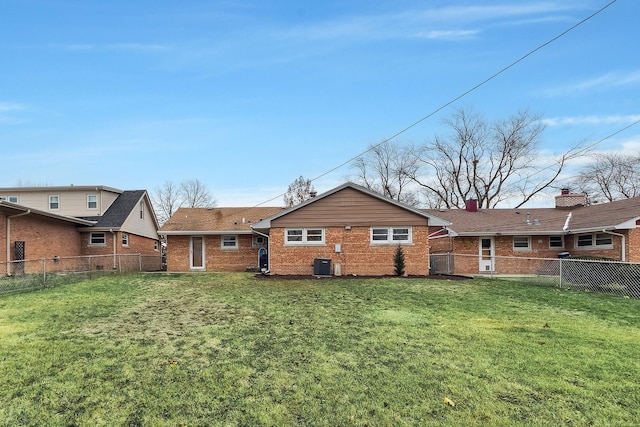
point(231, 349)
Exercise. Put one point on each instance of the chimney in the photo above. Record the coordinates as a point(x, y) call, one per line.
point(471, 205)
point(566, 199)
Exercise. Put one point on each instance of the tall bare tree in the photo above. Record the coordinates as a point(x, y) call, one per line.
point(490, 162)
point(386, 168)
point(196, 195)
point(170, 196)
point(299, 190)
point(610, 176)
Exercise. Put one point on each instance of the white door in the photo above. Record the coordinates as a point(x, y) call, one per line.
point(487, 254)
point(196, 253)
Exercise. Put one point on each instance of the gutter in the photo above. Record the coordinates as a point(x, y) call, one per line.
point(27, 212)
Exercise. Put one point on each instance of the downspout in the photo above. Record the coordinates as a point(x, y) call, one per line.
point(624, 250)
point(9, 238)
point(114, 235)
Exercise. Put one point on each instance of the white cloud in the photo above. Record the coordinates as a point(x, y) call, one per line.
point(592, 120)
point(8, 106)
point(608, 80)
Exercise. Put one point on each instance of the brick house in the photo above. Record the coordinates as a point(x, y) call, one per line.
point(348, 230)
point(48, 222)
point(609, 230)
point(215, 239)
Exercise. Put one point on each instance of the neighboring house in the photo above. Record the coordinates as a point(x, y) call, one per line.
point(346, 231)
point(215, 239)
point(46, 222)
point(607, 230)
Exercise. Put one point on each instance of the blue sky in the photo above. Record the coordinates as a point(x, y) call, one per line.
point(248, 95)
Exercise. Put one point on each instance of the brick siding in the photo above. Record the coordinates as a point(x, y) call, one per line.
point(357, 255)
point(216, 259)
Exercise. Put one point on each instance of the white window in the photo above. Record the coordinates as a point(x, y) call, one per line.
point(521, 243)
point(386, 235)
point(92, 201)
point(156, 245)
point(54, 202)
point(141, 210)
point(229, 241)
point(556, 242)
point(10, 199)
point(125, 239)
point(304, 236)
point(98, 239)
point(594, 241)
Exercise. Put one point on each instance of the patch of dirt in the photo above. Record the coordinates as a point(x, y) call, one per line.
point(351, 276)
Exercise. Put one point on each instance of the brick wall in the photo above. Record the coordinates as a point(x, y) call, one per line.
point(43, 239)
point(137, 245)
point(356, 256)
point(216, 258)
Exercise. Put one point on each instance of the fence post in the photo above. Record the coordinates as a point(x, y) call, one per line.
point(140, 262)
point(560, 273)
point(120, 263)
point(44, 271)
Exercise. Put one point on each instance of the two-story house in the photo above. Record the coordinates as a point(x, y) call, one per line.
point(66, 221)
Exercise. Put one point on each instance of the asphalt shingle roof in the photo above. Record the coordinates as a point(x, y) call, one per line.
point(217, 219)
point(119, 210)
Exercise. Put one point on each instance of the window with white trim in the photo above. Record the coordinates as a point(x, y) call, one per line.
point(521, 243)
point(98, 239)
point(396, 235)
point(141, 210)
point(125, 239)
point(556, 242)
point(594, 241)
point(229, 241)
point(304, 236)
point(10, 199)
point(54, 202)
point(92, 201)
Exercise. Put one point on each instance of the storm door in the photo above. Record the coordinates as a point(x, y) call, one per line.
point(197, 253)
point(487, 254)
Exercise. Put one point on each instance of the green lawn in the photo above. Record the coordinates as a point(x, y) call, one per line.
point(231, 349)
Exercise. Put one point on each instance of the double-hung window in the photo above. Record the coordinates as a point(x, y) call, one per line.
point(229, 241)
point(304, 236)
point(395, 235)
point(54, 202)
point(92, 201)
point(125, 239)
point(521, 243)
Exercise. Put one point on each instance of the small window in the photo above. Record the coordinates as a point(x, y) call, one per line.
point(521, 243)
point(229, 242)
point(585, 240)
point(397, 235)
point(603, 239)
point(54, 202)
point(141, 210)
point(301, 236)
point(156, 245)
point(125, 239)
point(556, 242)
point(259, 241)
point(92, 201)
point(98, 239)
point(10, 199)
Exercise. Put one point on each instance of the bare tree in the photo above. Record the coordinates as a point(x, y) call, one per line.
point(489, 162)
point(299, 190)
point(196, 195)
point(168, 198)
point(386, 168)
point(611, 176)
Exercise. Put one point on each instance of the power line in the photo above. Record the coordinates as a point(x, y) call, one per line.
point(457, 98)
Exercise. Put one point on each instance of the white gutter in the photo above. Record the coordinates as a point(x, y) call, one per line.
point(9, 237)
point(624, 251)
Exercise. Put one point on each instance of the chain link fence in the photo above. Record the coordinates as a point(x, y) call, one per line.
point(27, 275)
point(594, 275)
